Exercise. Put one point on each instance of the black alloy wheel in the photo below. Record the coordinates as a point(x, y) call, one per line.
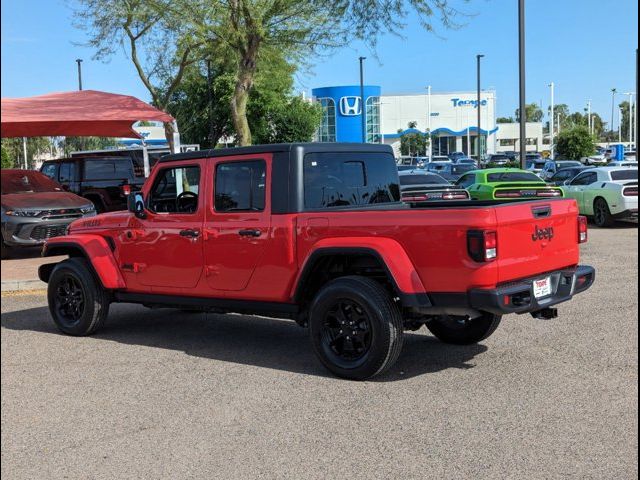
point(346, 333)
point(69, 300)
point(601, 213)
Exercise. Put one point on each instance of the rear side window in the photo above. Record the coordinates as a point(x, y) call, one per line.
point(624, 175)
point(349, 179)
point(108, 169)
point(512, 177)
point(240, 186)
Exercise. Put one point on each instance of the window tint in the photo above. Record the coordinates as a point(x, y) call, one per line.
point(513, 177)
point(67, 171)
point(175, 190)
point(586, 178)
point(240, 186)
point(50, 170)
point(562, 175)
point(624, 175)
point(107, 169)
point(343, 179)
point(422, 179)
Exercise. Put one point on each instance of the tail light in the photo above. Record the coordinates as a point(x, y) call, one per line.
point(630, 191)
point(455, 196)
point(126, 189)
point(549, 193)
point(482, 245)
point(414, 198)
point(583, 234)
point(512, 194)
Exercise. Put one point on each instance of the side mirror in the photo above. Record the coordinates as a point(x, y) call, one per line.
point(566, 183)
point(135, 204)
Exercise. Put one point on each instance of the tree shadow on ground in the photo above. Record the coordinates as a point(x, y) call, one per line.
point(241, 339)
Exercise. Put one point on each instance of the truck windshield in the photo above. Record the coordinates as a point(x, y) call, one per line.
point(344, 179)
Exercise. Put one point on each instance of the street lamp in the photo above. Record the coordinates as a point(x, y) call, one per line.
point(479, 149)
point(630, 94)
point(363, 108)
point(589, 116)
point(523, 106)
point(79, 61)
point(551, 85)
point(613, 101)
point(430, 154)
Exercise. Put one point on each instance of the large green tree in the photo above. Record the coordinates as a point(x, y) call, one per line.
point(533, 111)
point(413, 144)
point(160, 44)
point(163, 37)
point(35, 146)
point(7, 161)
point(575, 142)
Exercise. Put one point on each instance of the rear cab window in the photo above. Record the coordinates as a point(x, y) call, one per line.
point(513, 177)
point(108, 169)
point(349, 179)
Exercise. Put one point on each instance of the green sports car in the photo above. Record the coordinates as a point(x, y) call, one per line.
point(506, 184)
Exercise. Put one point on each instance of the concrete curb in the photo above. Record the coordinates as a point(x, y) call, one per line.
point(22, 285)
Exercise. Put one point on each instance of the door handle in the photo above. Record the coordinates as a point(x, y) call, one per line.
point(189, 233)
point(250, 232)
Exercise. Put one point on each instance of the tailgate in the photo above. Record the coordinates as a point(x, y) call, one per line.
point(536, 237)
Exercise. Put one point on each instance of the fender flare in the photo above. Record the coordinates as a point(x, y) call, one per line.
point(94, 248)
point(389, 252)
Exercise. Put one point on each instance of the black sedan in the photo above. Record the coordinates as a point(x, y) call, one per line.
point(35, 208)
point(419, 186)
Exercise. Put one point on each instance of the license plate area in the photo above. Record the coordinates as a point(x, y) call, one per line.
point(542, 287)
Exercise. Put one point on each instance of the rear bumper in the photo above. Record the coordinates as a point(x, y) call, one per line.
point(629, 214)
point(517, 297)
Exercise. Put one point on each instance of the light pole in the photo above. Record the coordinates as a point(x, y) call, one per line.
point(589, 116)
point(363, 108)
point(523, 110)
point(630, 95)
point(551, 124)
point(613, 101)
point(479, 149)
point(79, 62)
point(429, 122)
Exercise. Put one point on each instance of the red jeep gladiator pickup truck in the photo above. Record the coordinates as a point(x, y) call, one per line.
point(316, 233)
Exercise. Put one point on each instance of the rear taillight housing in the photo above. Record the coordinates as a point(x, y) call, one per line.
point(630, 191)
point(482, 245)
point(583, 230)
point(455, 196)
point(508, 194)
point(126, 189)
point(549, 193)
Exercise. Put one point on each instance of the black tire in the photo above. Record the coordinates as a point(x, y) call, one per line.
point(463, 331)
point(78, 303)
point(601, 214)
point(365, 308)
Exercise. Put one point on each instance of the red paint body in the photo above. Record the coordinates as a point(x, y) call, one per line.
point(425, 250)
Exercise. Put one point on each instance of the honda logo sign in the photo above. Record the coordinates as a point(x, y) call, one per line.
point(350, 106)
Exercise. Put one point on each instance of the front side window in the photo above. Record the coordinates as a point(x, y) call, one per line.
point(327, 129)
point(176, 190)
point(50, 170)
point(585, 179)
point(467, 180)
point(240, 186)
point(67, 170)
point(349, 179)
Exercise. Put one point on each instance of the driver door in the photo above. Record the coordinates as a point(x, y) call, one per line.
point(578, 186)
point(165, 248)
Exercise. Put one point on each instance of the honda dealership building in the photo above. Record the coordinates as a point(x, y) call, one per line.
point(452, 117)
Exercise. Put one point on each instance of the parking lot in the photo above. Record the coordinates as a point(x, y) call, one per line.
point(161, 394)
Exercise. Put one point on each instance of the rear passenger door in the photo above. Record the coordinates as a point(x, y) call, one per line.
point(238, 222)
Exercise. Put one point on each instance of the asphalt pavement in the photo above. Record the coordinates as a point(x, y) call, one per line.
point(162, 394)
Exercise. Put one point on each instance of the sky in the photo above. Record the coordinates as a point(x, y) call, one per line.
point(586, 47)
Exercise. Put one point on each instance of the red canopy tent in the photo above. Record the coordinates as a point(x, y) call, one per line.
point(80, 113)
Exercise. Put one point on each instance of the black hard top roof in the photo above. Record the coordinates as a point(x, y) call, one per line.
point(280, 147)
